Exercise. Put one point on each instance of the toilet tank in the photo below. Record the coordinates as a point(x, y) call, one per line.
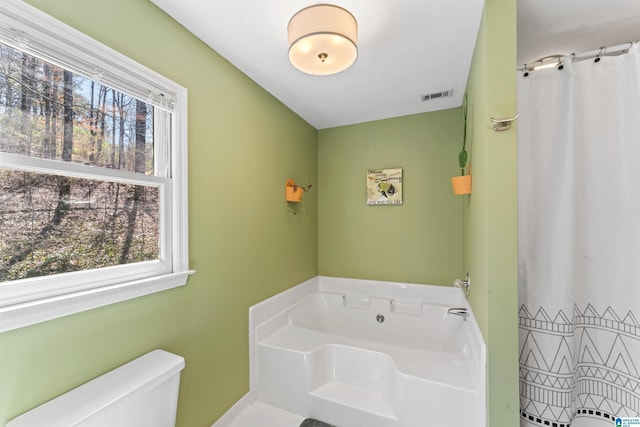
point(141, 393)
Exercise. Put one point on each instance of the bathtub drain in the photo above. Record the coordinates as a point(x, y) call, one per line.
point(380, 318)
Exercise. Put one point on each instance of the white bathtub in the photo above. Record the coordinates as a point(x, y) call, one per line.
point(328, 354)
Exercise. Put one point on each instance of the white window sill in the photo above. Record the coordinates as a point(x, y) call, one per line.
point(19, 315)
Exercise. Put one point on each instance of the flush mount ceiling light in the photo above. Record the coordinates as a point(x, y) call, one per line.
point(323, 39)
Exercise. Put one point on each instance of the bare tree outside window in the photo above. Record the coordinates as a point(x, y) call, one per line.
point(55, 223)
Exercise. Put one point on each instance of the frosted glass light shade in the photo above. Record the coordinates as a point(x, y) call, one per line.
point(323, 39)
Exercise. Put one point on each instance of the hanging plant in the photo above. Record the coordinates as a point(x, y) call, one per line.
point(462, 155)
point(462, 184)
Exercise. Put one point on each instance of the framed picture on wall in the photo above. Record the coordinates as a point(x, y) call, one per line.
point(384, 186)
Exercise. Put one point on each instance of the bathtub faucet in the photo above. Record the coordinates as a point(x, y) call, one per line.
point(459, 311)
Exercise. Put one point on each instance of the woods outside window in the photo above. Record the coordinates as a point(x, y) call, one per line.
point(92, 173)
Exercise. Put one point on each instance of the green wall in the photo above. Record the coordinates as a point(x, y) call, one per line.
point(419, 241)
point(490, 249)
point(244, 243)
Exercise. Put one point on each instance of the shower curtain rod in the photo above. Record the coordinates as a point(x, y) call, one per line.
point(556, 60)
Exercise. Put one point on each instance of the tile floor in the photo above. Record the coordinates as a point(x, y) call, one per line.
point(260, 414)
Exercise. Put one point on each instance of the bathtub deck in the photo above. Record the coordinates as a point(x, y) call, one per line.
point(448, 368)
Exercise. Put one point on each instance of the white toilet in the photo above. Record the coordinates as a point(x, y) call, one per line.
point(141, 393)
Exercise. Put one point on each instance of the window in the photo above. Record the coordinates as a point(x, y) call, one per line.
point(93, 206)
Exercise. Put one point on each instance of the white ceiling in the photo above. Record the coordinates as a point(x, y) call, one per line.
point(407, 48)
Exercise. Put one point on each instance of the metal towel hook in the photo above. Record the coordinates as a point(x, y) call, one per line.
point(500, 125)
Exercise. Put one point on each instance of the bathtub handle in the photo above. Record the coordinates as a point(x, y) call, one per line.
point(459, 311)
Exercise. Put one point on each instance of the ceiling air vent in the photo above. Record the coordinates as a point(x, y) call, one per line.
point(436, 95)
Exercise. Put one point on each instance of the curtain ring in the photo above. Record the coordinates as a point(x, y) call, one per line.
point(602, 50)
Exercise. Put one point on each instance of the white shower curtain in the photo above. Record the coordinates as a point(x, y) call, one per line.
point(579, 243)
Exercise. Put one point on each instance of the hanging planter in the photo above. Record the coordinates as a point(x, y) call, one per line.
point(462, 184)
point(293, 192)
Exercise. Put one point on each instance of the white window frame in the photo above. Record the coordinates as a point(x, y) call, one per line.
point(29, 301)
